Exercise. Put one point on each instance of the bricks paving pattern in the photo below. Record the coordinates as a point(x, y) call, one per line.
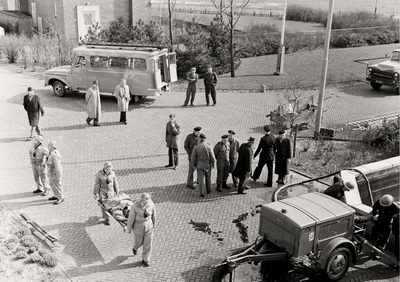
point(92, 251)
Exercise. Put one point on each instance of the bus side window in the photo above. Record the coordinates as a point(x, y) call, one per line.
point(99, 62)
point(137, 64)
point(80, 62)
point(118, 62)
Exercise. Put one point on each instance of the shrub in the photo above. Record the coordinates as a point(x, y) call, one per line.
point(21, 254)
point(11, 246)
point(22, 232)
point(11, 239)
point(35, 258)
point(43, 252)
point(21, 249)
point(49, 260)
point(10, 46)
point(385, 137)
point(34, 247)
point(28, 241)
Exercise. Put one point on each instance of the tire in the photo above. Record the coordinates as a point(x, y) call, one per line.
point(397, 91)
point(375, 85)
point(58, 88)
point(220, 273)
point(337, 264)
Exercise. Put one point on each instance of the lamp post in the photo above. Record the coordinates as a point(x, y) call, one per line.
point(324, 68)
point(281, 50)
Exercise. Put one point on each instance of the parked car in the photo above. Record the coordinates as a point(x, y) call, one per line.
point(385, 73)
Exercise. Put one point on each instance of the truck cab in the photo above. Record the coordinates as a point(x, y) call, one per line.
point(385, 73)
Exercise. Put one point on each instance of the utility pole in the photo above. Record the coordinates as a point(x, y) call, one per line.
point(376, 6)
point(324, 68)
point(281, 51)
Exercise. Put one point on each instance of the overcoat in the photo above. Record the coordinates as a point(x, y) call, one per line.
point(266, 147)
point(233, 154)
point(203, 156)
point(93, 103)
point(190, 141)
point(172, 135)
point(33, 109)
point(105, 185)
point(123, 97)
point(282, 153)
point(244, 162)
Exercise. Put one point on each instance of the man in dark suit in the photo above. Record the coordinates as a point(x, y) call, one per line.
point(33, 107)
point(243, 166)
point(267, 155)
point(283, 155)
point(210, 81)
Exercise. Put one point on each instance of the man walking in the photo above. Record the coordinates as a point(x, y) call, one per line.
point(267, 148)
point(92, 98)
point(171, 137)
point(123, 96)
point(190, 142)
point(38, 154)
point(283, 155)
point(233, 154)
point(221, 152)
point(210, 81)
point(33, 107)
point(191, 89)
point(54, 166)
point(142, 220)
point(243, 166)
point(203, 161)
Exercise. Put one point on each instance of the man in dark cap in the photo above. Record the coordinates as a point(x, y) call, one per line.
point(172, 131)
point(267, 155)
point(234, 146)
point(210, 81)
point(243, 166)
point(192, 77)
point(283, 155)
point(191, 141)
point(33, 107)
point(221, 152)
point(92, 98)
point(203, 161)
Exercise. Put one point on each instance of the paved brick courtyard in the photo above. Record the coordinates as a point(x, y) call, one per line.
point(92, 251)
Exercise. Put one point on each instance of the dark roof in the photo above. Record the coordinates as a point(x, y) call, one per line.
point(16, 14)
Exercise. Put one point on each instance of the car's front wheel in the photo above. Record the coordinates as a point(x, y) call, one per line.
point(59, 88)
point(375, 85)
point(337, 264)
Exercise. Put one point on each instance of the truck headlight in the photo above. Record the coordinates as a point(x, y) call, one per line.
point(369, 70)
point(396, 76)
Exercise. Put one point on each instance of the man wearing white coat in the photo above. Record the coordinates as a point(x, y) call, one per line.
point(123, 96)
point(92, 98)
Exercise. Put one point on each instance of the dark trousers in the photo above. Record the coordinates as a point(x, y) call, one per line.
point(380, 234)
point(235, 180)
point(190, 92)
point(96, 120)
point(396, 246)
point(173, 156)
point(242, 181)
point(122, 117)
point(259, 168)
point(211, 88)
point(222, 172)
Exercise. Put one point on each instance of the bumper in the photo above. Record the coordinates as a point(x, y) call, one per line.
point(386, 83)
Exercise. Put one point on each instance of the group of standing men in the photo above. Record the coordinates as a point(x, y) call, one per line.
point(232, 158)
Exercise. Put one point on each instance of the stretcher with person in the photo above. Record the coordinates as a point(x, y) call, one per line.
point(117, 206)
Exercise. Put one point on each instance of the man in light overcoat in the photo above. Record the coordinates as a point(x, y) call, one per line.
point(39, 154)
point(123, 97)
point(92, 98)
point(55, 172)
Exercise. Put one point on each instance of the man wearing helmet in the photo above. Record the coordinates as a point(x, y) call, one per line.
point(385, 209)
point(338, 188)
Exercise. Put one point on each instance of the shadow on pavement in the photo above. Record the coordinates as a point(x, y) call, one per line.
point(15, 139)
point(18, 195)
point(364, 90)
point(17, 206)
point(198, 272)
point(79, 126)
point(123, 172)
point(113, 265)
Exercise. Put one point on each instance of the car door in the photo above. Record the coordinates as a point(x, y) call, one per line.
point(78, 77)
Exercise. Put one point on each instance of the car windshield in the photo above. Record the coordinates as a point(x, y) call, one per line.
point(395, 56)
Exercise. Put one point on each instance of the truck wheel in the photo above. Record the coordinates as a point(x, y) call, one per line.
point(58, 88)
point(375, 85)
point(337, 264)
point(397, 90)
point(220, 273)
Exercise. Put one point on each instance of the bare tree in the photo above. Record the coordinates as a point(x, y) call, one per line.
point(232, 10)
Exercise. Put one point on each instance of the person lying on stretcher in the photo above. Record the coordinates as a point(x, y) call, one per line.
point(119, 205)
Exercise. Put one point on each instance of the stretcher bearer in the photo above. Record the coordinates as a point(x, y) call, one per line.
point(54, 167)
point(105, 186)
point(142, 220)
point(39, 154)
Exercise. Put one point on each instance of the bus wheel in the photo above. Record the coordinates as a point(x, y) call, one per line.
point(375, 85)
point(220, 273)
point(58, 88)
point(337, 264)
